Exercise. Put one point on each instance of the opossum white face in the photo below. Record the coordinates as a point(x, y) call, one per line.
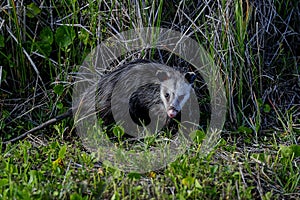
point(175, 90)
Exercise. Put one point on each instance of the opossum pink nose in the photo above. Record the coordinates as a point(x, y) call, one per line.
point(172, 113)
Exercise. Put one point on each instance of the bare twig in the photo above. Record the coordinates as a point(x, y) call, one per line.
point(43, 125)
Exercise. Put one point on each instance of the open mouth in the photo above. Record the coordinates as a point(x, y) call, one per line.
point(172, 112)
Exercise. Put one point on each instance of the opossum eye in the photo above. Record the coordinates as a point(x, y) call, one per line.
point(167, 95)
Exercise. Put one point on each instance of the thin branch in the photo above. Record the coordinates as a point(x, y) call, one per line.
point(43, 125)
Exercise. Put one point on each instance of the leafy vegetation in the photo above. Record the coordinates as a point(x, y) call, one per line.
point(255, 44)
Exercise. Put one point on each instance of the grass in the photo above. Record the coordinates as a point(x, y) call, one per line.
point(255, 44)
point(59, 169)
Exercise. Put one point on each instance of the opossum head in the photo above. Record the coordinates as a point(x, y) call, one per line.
point(175, 90)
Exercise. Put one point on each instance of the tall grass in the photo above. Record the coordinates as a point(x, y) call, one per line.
point(255, 44)
point(235, 33)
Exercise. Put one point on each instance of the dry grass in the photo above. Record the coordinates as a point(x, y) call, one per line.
point(255, 44)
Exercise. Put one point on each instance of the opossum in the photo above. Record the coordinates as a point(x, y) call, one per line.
point(165, 95)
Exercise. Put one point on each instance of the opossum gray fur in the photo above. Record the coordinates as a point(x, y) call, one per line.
point(165, 97)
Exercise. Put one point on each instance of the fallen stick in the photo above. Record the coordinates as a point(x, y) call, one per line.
point(43, 125)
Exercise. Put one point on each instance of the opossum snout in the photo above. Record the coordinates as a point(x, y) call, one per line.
point(172, 112)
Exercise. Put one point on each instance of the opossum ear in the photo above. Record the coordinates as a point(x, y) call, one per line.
point(190, 77)
point(162, 75)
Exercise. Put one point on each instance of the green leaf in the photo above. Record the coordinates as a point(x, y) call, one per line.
point(222, 142)
point(2, 44)
point(197, 184)
point(33, 177)
point(3, 182)
point(188, 181)
point(62, 152)
point(116, 196)
point(198, 136)
point(44, 48)
point(118, 131)
point(64, 36)
point(236, 175)
point(245, 130)
point(3, 75)
point(296, 149)
point(134, 175)
point(58, 89)
point(44, 45)
point(288, 151)
point(84, 37)
point(214, 169)
point(46, 35)
point(59, 105)
point(267, 108)
point(75, 196)
point(32, 10)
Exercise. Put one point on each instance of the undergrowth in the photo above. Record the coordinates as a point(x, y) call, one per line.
point(255, 44)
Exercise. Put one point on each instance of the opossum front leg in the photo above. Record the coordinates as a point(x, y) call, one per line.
point(138, 112)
